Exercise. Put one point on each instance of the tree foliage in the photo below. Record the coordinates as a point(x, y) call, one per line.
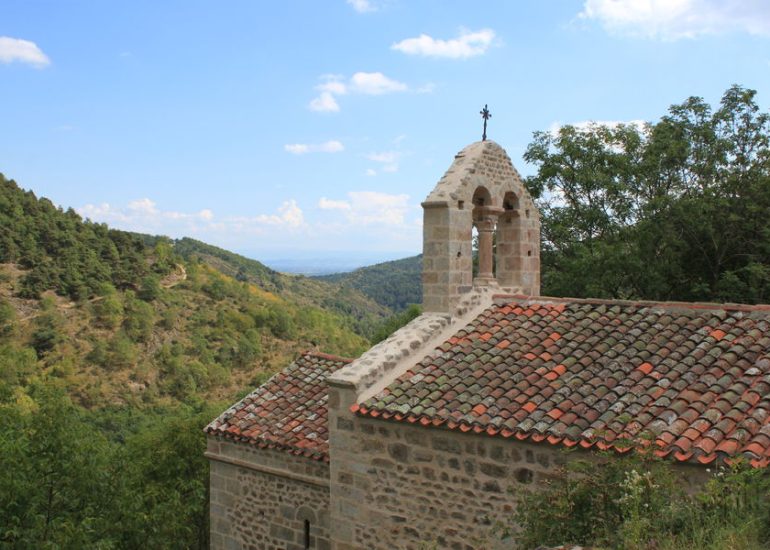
point(638, 502)
point(675, 210)
point(66, 254)
point(121, 479)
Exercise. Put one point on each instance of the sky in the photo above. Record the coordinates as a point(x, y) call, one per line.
point(305, 129)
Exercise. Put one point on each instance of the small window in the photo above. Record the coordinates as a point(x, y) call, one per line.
point(307, 534)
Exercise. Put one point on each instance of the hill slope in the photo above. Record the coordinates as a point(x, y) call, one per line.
point(365, 312)
point(393, 284)
point(118, 318)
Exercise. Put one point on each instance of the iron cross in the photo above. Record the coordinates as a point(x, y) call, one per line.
point(486, 115)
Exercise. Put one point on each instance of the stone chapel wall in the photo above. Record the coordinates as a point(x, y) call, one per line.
point(261, 498)
point(403, 487)
point(398, 486)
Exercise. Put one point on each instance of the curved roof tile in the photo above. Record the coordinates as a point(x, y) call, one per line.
point(692, 377)
point(288, 412)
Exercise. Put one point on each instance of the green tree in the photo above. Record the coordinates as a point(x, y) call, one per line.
point(139, 318)
point(166, 504)
point(150, 288)
point(48, 332)
point(7, 320)
point(674, 210)
point(51, 474)
point(108, 309)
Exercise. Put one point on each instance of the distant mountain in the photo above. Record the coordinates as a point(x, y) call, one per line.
point(364, 312)
point(393, 284)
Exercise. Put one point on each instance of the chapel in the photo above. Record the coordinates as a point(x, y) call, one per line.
point(425, 439)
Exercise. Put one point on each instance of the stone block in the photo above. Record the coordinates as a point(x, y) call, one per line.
point(445, 444)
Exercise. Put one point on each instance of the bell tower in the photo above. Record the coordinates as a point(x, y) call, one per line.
point(481, 189)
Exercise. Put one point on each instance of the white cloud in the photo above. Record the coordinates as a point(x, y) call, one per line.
point(363, 208)
point(389, 160)
point(22, 51)
point(373, 207)
point(141, 215)
point(145, 206)
point(370, 172)
point(144, 216)
point(426, 88)
point(360, 83)
point(332, 146)
point(362, 6)
point(333, 86)
point(385, 156)
point(324, 103)
point(675, 19)
point(289, 215)
point(328, 204)
point(375, 84)
point(467, 44)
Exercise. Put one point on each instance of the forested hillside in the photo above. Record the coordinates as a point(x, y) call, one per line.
point(115, 350)
point(58, 252)
point(393, 284)
point(365, 312)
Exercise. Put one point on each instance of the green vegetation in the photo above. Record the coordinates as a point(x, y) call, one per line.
point(676, 210)
point(638, 502)
point(395, 284)
point(110, 344)
point(362, 312)
point(65, 254)
point(101, 479)
point(392, 324)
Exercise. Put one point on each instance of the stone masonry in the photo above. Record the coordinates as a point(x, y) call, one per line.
point(263, 499)
point(481, 188)
point(408, 487)
point(370, 459)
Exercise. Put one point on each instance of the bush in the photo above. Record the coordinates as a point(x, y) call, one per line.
point(108, 310)
point(638, 502)
point(139, 319)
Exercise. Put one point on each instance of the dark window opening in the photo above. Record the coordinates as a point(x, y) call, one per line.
point(307, 534)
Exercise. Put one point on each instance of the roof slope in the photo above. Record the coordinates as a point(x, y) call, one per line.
point(287, 412)
point(694, 377)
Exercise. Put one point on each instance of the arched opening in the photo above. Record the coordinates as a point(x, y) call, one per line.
point(481, 197)
point(485, 222)
point(510, 202)
point(308, 517)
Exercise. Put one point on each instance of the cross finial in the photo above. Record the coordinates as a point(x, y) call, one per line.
point(486, 115)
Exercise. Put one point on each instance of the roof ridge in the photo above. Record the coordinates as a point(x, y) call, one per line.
point(728, 306)
point(328, 356)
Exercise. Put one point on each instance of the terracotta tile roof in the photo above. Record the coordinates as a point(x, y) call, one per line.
point(287, 412)
point(694, 377)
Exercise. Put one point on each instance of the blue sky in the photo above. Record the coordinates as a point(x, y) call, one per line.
point(299, 129)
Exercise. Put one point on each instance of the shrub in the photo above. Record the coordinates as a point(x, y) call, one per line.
point(638, 502)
